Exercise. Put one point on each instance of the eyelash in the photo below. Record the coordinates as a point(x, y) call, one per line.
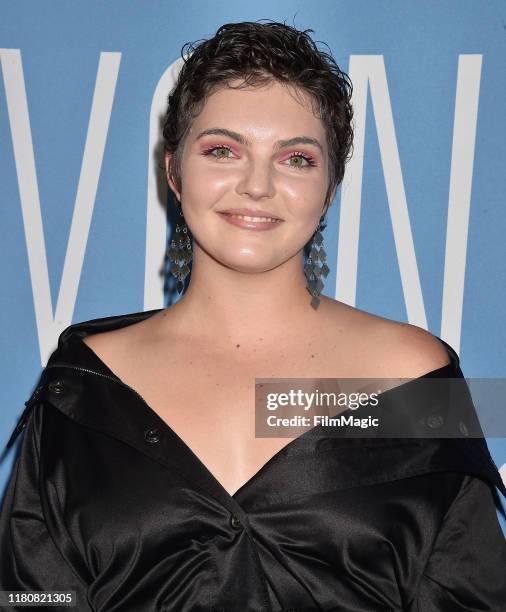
point(308, 158)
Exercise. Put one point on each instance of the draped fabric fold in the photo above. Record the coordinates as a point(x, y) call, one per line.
point(106, 500)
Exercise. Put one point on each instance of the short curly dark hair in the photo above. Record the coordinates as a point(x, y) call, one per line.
point(258, 53)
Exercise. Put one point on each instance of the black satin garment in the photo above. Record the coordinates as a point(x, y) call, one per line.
point(106, 499)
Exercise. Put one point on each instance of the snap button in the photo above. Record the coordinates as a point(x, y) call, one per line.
point(56, 386)
point(435, 421)
point(152, 436)
point(235, 522)
point(463, 428)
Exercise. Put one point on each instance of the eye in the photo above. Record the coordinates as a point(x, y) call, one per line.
point(300, 158)
point(222, 151)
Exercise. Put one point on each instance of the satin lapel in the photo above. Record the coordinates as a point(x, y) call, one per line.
point(78, 384)
point(106, 405)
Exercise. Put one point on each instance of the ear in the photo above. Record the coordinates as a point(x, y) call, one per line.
point(168, 174)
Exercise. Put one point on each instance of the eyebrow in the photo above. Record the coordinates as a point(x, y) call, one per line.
point(279, 144)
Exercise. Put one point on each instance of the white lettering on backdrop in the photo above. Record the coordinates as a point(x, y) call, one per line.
point(370, 69)
point(49, 326)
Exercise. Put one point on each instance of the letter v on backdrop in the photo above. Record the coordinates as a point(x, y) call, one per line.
point(50, 322)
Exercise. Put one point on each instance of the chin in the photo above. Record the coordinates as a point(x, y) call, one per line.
point(249, 264)
point(251, 267)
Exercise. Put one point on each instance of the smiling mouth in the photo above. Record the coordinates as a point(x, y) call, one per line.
point(252, 219)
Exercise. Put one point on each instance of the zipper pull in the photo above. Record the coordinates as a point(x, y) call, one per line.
point(21, 424)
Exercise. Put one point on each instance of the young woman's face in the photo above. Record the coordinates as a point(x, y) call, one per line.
point(233, 158)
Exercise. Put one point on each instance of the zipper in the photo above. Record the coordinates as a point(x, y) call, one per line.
point(113, 378)
point(23, 419)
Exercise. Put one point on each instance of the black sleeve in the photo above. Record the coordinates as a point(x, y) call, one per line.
point(30, 560)
point(466, 570)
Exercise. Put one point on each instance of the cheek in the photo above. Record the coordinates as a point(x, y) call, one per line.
point(204, 183)
point(305, 205)
point(199, 192)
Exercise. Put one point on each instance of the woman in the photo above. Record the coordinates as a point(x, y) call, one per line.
point(141, 485)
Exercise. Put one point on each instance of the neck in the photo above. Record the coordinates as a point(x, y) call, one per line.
point(229, 307)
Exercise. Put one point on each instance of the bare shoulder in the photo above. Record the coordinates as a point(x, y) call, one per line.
point(103, 341)
point(119, 346)
point(392, 348)
point(410, 351)
point(110, 348)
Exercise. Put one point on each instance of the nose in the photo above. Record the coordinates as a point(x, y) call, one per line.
point(256, 181)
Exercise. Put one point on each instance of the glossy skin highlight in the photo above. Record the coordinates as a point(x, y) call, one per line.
point(220, 172)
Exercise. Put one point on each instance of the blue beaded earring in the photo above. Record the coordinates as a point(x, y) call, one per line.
point(180, 252)
point(316, 266)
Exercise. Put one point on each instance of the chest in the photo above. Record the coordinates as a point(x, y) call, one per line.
point(210, 405)
point(207, 398)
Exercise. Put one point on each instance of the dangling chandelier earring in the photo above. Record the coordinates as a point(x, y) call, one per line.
point(312, 269)
point(180, 252)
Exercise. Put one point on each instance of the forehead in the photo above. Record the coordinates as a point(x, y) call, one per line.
point(267, 112)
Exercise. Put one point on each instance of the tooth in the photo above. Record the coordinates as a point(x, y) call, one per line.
point(255, 219)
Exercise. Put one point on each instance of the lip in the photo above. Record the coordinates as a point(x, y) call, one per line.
point(250, 212)
point(250, 225)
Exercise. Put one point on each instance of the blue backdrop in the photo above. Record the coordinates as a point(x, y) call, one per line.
point(416, 231)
